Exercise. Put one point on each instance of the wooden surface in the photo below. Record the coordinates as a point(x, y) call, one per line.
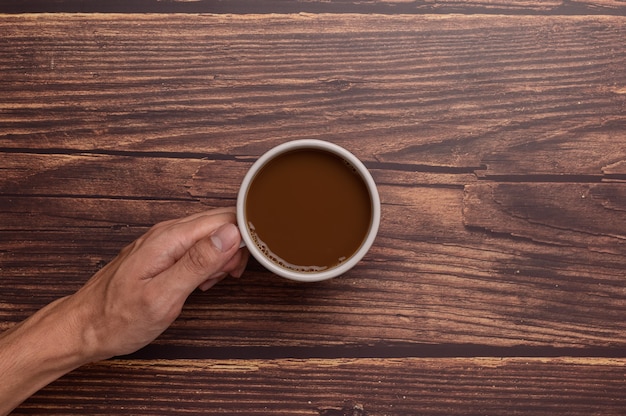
point(496, 132)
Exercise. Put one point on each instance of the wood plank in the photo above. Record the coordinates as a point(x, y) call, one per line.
point(148, 139)
point(319, 6)
point(208, 178)
point(340, 387)
point(108, 176)
point(428, 279)
point(498, 145)
point(580, 215)
point(584, 153)
point(433, 92)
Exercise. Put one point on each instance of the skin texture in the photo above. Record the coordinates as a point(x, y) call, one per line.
point(124, 306)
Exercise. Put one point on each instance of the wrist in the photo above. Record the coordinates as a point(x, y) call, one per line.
point(38, 351)
point(59, 329)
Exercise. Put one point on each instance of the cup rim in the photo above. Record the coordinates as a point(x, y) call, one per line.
point(319, 145)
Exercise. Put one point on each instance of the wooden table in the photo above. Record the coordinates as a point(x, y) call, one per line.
point(496, 132)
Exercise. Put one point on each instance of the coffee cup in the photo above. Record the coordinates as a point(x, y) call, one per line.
point(308, 210)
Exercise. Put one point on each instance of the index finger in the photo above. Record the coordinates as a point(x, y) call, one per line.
point(208, 257)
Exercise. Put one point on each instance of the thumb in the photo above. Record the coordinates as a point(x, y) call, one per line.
point(226, 237)
point(206, 258)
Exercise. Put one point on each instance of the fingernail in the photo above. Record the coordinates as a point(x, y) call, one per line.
point(207, 285)
point(238, 271)
point(225, 237)
point(212, 281)
point(218, 275)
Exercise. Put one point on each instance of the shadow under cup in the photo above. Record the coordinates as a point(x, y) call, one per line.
point(308, 210)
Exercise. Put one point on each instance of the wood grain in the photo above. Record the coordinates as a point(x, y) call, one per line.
point(355, 387)
point(498, 144)
point(557, 7)
point(583, 215)
point(437, 91)
point(428, 279)
point(483, 132)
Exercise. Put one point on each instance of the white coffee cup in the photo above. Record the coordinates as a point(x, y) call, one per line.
point(308, 276)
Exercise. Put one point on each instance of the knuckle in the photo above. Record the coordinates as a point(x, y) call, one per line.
point(200, 258)
point(160, 307)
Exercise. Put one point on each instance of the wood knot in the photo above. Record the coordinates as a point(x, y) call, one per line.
point(339, 84)
point(351, 409)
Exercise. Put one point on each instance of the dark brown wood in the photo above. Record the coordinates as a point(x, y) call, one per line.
point(579, 215)
point(433, 279)
point(317, 6)
point(499, 146)
point(440, 94)
point(354, 387)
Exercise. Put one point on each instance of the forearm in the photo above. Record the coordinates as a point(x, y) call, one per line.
point(124, 306)
point(38, 351)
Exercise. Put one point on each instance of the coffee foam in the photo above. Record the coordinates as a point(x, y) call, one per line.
point(350, 166)
point(269, 254)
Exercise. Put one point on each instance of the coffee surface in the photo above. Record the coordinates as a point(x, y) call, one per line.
point(308, 210)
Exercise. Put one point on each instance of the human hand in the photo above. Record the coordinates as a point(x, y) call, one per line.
point(133, 299)
point(124, 306)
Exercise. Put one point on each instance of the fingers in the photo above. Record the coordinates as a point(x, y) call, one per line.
point(235, 267)
point(169, 241)
point(208, 259)
point(241, 264)
point(226, 237)
point(209, 283)
point(180, 255)
point(182, 231)
point(192, 217)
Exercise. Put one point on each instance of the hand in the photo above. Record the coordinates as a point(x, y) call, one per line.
point(124, 306)
point(133, 299)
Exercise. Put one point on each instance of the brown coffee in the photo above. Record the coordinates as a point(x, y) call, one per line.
point(308, 210)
